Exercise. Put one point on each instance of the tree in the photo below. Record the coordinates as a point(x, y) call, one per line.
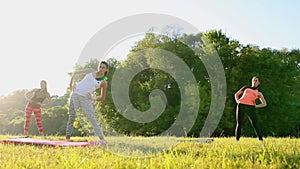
point(155, 81)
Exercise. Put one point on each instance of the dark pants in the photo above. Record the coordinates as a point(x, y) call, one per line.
point(241, 110)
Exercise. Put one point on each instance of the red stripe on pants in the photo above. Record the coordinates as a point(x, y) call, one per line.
point(38, 117)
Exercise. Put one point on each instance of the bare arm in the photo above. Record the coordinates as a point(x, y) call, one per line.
point(262, 100)
point(49, 101)
point(28, 93)
point(77, 73)
point(85, 71)
point(103, 88)
point(237, 94)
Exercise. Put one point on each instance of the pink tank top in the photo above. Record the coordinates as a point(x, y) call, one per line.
point(249, 96)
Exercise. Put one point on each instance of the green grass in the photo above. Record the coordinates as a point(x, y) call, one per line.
point(155, 153)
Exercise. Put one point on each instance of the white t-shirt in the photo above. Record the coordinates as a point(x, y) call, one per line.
point(87, 85)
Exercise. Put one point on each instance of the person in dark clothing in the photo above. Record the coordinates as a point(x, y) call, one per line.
point(245, 99)
point(34, 104)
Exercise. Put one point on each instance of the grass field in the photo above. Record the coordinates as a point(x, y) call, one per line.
point(126, 153)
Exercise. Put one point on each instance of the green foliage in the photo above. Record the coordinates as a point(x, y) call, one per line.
point(54, 118)
point(278, 71)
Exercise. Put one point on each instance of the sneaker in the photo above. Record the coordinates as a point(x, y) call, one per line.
point(68, 138)
point(101, 143)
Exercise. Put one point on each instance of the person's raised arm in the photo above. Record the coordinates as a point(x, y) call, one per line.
point(84, 71)
point(77, 73)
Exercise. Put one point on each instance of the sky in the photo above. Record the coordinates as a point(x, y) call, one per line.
point(42, 40)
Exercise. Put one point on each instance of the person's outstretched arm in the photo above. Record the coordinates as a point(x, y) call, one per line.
point(77, 73)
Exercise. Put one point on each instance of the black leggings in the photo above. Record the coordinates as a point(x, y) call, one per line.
point(241, 110)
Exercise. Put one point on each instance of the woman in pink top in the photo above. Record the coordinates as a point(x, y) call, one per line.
point(245, 99)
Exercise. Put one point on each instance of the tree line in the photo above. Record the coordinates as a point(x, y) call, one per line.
point(278, 71)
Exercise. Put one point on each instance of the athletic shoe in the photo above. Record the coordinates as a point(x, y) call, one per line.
point(101, 143)
point(68, 138)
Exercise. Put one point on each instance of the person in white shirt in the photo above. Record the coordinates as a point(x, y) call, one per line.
point(82, 96)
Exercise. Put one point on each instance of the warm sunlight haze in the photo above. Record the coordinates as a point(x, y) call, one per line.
point(43, 40)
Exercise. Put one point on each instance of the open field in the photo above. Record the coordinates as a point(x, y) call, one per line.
point(145, 153)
